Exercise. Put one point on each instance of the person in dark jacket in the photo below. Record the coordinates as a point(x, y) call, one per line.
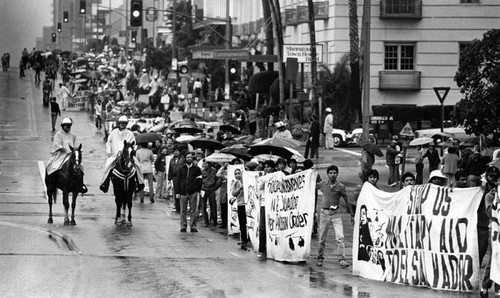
point(209, 186)
point(314, 133)
point(54, 111)
point(390, 158)
point(433, 157)
point(160, 172)
point(188, 186)
point(176, 162)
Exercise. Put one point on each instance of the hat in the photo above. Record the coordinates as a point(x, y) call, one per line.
point(279, 124)
point(251, 165)
point(123, 119)
point(66, 121)
point(493, 171)
point(436, 174)
point(281, 161)
point(328, 110)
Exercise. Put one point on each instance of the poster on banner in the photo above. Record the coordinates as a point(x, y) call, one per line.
point(289, 215)
point(233, 226)
point(252, 203)
point(495, 238)
point(422, 235)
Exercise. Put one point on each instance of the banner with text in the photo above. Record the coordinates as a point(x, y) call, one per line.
point(422, 235)
point(495, 238)
point(233, 226)
point(289, 215)
point(252, 202)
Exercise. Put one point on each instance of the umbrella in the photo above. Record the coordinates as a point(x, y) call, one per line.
point(183, 122)
point(442, 135)
point(373, 149)
point(151, 112)
point(281, 142)
point(141, 104)
point(495, 163)
point(149, 137)
point(187, 129)
point(284, 152)
point(186, 138)
point(92, 74)
point(46, 54)
point(246, 139)
point(77, 81)
point(123, 103)
point(264, 157)
point(449, 143)
point(65, 53)
point(219, 157)
point(421, 141)
point(481, 140)
point(230, 128)
point(229, 142)
point(237, 150)
point(191, 115)
point(205, 144)
point(77, 72)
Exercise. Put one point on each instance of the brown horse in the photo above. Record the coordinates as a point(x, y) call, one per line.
point(69, 179)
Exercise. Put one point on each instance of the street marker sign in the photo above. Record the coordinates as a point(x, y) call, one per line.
point(407, 131)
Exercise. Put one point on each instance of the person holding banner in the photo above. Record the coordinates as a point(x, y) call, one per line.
point(269, 167)
point(237, 193)
point(333, 191)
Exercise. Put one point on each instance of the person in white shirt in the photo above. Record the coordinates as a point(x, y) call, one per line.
point(328, 129)
point(282, 132)
point(115, 145)
point(64, 94)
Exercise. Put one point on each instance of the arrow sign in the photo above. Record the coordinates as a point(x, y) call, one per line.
point(441, 93)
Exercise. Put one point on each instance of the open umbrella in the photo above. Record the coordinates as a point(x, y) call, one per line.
point(149, 137)
point(264, 157)
point(373, 149)
point(186, 138)
point(442, 136)
point(92, 74)
point(187, 129)
point(219, 157)
point(229, 142)
point(281, 142)
point(284, 152)
point(246, 139)
point(192, 115)
point(481, 140)
point(230, 128)
point(237, 150)
point(78, 81)
point(204, 144)
point(77, 72)
point(421, 141)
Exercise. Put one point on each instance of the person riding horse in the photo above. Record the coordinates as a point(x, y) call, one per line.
point(113, 146)
point(63, 140)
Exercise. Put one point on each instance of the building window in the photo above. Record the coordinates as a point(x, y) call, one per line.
point(400, 6)
point(399, 57)
point(469, 1)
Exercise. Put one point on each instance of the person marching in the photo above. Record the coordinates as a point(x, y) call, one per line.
point(64, 94)
point(188, 187)
point(113, 146)
point(54, 111)
point(63, 140)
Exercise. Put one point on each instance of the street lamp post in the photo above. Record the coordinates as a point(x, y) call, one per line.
point(441, 93)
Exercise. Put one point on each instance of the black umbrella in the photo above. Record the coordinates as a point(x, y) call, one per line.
point(187, 129)
point(470, 142)
point(284, 152)
point(373, 149)
point(205, 144)
point(149, 137)
point(230, 128)
point(191, 115)
point(237, 151)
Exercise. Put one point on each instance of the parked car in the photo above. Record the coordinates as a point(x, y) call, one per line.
point(344, 138)
point(457, 132)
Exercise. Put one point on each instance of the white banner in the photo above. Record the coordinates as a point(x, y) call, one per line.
point(252, 204)
point(495, 239)
point(422, 235)
point(289, 215)
point(233, 226)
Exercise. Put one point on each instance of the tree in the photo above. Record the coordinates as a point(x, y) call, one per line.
point(269, 41)
point(278, 33)
point(478, 77)
point(355, 91)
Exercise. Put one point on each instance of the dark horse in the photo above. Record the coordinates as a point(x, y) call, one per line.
point(124, 178)
point(69, 179)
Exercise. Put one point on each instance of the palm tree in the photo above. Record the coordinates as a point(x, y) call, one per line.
point(269, 41)
point(278, 32)
point(314, 68)
point(355, 91)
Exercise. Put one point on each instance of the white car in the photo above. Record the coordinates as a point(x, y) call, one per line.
point(457, 132)
point(343, 138)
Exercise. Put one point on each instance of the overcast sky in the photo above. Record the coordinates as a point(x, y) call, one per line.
point(21, 23)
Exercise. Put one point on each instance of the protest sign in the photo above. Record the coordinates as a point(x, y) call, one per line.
point(422, 235)
point(233, 226)
point(289, 215)
point(252, 203)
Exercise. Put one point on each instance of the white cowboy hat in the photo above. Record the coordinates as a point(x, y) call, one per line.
point(328, 110)
point(436, 174)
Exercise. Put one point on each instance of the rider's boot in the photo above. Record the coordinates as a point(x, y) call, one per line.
point(105, 185)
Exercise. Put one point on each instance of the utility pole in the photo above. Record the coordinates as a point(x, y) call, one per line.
point(227, 87)
point(366, 69)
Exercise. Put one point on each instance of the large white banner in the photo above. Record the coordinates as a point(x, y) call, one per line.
point(289, 215)
point(233, 226)
point(422, 235)
point(495, 239)
point(252, 204)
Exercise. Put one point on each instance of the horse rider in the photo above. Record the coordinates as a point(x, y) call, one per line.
point(61, 150)
point(113, 146)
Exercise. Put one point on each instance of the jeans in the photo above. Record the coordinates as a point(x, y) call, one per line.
point(209, 198)
point(419, 167)
point(192, 200)
point(393, 173)
point(160, 184)
point(242, 220)
point(149, 177)
point(262, 230)
point(334, 217)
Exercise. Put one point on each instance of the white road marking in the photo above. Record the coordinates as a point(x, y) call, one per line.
point(348, 151)
point(236, 255)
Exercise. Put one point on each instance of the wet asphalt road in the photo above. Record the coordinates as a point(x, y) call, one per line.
point(96, 258)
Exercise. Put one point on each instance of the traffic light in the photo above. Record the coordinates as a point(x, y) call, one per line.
point(59, 28)
point(136, 13)
point(134, 36)
point(65, 17)
point(234, 67)
point(83, 7)
point(53, 37)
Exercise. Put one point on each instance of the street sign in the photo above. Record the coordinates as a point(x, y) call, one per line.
point(235, 54)
point(441, 93)
point(302, 52)
point(407, 131)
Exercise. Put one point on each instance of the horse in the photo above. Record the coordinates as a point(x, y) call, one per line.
point(69, 179)
point(124, 178)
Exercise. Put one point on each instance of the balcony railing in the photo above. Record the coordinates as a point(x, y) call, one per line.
point(399, 80)
point(393, 9)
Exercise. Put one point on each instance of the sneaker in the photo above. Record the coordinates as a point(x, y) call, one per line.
point(483, 293)
point(183, 229)
point(343, 264)
point(194, 230)
point(319, 263)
